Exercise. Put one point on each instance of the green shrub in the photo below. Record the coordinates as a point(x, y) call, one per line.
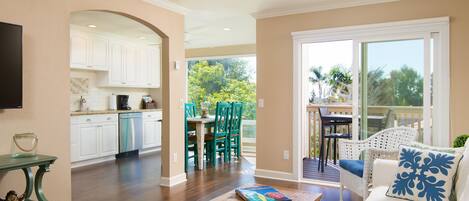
point(460, 141)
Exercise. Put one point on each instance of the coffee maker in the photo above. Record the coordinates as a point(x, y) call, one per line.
point(123, 102)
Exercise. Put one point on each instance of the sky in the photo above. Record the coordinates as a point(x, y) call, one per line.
point(389, 55)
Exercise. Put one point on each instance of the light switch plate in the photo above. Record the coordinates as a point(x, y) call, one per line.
point(177, 65)
point(286, 155)
point(260, 103)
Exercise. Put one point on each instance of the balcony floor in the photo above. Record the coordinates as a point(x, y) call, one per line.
point(330, 174)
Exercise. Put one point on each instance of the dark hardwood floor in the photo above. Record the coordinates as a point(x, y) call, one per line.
point(310, 170)
point(138, 179)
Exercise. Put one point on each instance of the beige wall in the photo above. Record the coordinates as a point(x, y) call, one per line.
point(221, 51)
point(46, 83)
point(275, 70)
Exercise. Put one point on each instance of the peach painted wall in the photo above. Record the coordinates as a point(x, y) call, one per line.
point(46, 74)
point(275, 65)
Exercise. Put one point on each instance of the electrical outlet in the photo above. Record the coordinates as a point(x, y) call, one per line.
point(175, 157)
point(286, 155)
point(260, 103)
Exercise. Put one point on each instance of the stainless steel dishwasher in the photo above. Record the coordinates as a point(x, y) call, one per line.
point(130, 134)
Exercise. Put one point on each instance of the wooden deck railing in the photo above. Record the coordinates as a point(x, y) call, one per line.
point(402, 116)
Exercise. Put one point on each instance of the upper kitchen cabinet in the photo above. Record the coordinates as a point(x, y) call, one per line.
point(132, 65)
point(88, 51)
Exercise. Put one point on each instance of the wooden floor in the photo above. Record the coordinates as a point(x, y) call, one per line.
point(138, 179)
point(310, 171)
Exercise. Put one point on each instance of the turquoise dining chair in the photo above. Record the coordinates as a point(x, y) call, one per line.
point(189, 145)
point(218, 140)
point(234, 136)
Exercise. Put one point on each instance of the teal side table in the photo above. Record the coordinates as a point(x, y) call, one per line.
point(7, 163)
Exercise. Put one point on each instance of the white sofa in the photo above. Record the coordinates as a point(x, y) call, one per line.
point(384, 172)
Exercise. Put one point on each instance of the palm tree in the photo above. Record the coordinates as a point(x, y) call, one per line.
point(317, 77)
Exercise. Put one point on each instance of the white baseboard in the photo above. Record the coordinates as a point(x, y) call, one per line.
point(172, 181)
point(92, 161)
point(277, 175)
point(149, 151)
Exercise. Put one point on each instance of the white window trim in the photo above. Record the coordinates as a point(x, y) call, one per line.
point(439, 25)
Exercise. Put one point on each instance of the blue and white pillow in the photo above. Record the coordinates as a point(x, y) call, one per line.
point(424, 174)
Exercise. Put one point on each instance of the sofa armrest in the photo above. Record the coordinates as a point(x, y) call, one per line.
point(384, 172)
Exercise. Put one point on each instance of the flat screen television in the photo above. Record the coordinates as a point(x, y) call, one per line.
point(11, 66)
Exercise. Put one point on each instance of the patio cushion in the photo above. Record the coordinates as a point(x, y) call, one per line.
point(353, 166)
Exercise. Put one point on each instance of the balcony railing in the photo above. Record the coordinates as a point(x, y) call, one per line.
point(248, 138)
point(408, 116)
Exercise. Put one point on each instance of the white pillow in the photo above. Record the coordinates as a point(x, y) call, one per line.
point(424, 174)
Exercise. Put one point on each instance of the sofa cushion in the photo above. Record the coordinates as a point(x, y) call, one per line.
point(353, 166)
point(462, 178)
point(379, 194)
point(424, 174)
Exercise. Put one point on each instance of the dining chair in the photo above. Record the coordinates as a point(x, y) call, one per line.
point(189, 143)
point(218, 140)
point(234, 136)
point(333, 136)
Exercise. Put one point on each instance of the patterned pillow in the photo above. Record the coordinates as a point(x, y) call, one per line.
point(424, 174)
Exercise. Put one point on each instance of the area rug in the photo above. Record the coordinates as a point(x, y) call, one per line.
point(294, 194)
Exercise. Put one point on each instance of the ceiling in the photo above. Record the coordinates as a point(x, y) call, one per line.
point(207, 19)
point(116, 24)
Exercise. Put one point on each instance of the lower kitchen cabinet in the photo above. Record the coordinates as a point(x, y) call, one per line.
point(94, 136)
point(151, 129)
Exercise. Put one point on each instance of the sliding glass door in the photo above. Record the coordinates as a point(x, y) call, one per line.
point(392, 85)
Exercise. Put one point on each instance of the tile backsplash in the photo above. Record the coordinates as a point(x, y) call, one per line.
point(83, 83)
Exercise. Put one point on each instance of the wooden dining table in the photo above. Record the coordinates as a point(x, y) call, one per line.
point(201, 126)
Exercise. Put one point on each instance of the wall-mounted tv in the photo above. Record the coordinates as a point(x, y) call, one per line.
point(11, 66)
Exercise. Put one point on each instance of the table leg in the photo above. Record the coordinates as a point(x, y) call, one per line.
point(29, 183)
point(200, 128)
point(38, 182)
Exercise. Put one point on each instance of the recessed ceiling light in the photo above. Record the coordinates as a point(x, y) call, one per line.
point(227, 29)
point(142, 37)
point(92, 26)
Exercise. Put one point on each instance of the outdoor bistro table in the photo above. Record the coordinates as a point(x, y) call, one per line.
point(8, 163)
point(201, 125)
point(339, 119)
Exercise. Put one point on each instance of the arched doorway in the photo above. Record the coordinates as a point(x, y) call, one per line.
point(120, 38)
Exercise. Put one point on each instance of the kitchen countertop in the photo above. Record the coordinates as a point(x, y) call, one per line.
point(92, 112)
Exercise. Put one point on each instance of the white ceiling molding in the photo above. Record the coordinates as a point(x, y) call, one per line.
point(166, 4)
point(326, 5)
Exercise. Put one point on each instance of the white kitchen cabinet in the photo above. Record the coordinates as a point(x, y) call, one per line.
point(151, 129)
point(89, 142)
point(94, 136)
point(109, 139)
point(88, 51)
point(115, 76)
point(78, 50)
point(152, 69)
point(98, 53)
point(131, 65)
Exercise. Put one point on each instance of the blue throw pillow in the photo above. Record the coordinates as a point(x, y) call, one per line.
point(424, 174)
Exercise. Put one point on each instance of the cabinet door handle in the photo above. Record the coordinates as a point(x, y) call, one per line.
point(88, 120)
point(161, 120)
point(109, 118)
point(123, 83)
point(89, 66)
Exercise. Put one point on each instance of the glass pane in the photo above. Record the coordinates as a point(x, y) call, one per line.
point(329, 84)
point(226, 79)
point(393, 85)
